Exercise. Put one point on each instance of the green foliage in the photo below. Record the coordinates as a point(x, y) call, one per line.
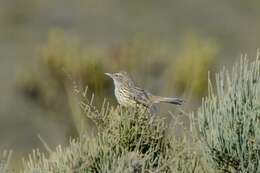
point(63, 54)
point(228, 119)
point(189, 70)
point(127, 140)
point(61, 58)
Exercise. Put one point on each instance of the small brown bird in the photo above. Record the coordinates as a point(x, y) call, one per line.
point(128, 94)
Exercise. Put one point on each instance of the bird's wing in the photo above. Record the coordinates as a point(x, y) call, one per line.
point(141, 97)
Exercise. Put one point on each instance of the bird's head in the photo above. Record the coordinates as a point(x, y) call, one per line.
point(120, 78)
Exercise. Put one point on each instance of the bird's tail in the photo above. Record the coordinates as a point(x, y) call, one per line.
point(171, 100)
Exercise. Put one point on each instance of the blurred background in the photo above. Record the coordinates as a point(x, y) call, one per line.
point(167, 46)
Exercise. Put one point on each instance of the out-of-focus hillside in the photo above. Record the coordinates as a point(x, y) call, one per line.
point(163, 44)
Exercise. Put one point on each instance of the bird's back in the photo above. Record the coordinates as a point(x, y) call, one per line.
point(130, 95)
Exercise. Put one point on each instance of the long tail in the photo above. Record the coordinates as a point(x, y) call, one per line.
point(171, 100)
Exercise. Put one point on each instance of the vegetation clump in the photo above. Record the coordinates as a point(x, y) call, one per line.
point(228, 119)
point(126, 140)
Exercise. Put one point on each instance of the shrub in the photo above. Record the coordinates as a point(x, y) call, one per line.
point(228, 119)
point(188, 72)
point(61, 58)
point(126, 141)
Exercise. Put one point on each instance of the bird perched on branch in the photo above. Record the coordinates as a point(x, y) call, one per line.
point(129, 95)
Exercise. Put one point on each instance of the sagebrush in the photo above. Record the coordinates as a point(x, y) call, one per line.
point(126, 140)
point(229, 119)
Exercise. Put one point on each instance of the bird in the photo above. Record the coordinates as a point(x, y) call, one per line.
point(128, 94)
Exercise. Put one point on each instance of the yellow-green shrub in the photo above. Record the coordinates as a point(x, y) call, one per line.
point(189, 71)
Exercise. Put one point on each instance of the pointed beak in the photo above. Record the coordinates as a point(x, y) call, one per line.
point(108, 74)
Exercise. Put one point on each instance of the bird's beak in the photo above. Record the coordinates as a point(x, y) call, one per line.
point(108, 74)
